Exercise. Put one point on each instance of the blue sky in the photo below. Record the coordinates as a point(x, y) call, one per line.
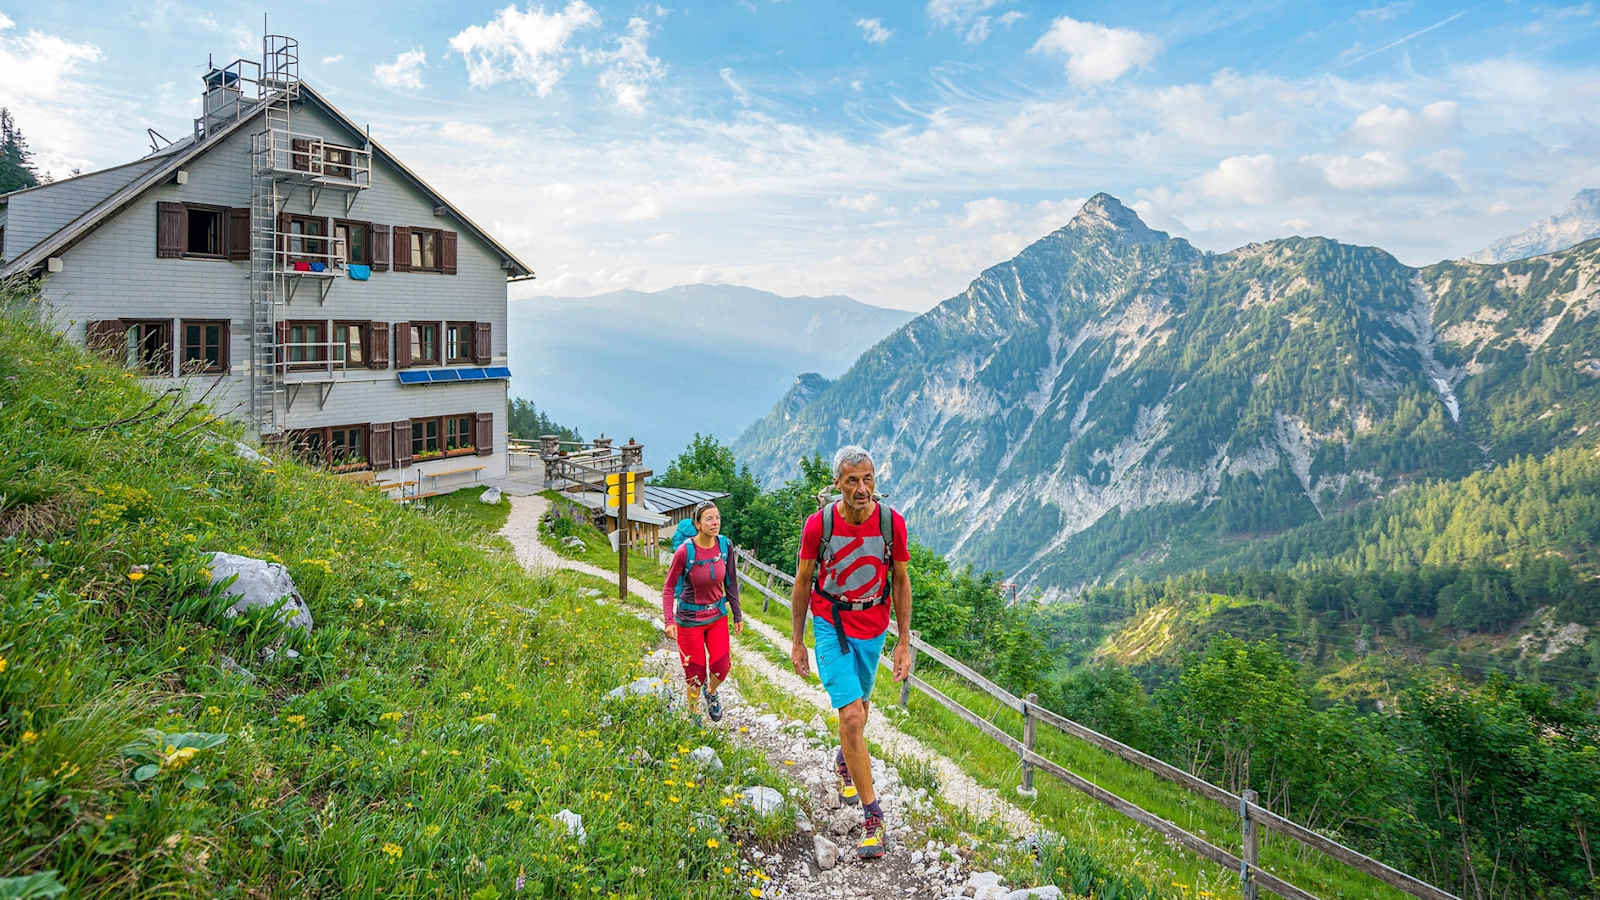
point(884, 151)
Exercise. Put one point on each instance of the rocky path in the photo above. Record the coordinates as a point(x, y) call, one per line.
point(819, 862)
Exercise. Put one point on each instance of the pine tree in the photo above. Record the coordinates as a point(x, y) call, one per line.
point(16, 160)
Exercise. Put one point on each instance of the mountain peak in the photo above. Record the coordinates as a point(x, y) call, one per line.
point(1103, 211)
point(1579, 222)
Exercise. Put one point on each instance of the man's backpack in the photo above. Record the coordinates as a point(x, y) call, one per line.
point(684, 610)
point(837, 604)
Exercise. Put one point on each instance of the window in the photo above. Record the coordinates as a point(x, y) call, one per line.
point(342, 447)
point(204, 231)
point(147, 346)
point(308, 239)
point(352, 242)
point(424, 343)
point(424, 249)
point(438, 436)
point(205, 348)
point(349, 342)
point(458, 342)
point(336, 162)
point(458, 433)
point(425, 438)
point(307, 343)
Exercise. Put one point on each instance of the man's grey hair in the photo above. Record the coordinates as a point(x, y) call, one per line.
point(849, 455)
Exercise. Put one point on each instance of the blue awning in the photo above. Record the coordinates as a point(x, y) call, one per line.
point(441, 376)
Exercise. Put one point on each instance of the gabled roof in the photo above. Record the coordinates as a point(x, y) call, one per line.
point(75, 230)
point(668, 499)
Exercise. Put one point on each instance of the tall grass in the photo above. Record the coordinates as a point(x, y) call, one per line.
point(418, 742)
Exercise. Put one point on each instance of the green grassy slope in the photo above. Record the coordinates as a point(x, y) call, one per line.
point(445, 707)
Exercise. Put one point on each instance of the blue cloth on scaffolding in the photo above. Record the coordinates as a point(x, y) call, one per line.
point(360, 273)
point(319, 267)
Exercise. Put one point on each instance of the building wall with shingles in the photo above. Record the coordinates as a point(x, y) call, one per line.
point(114, 273)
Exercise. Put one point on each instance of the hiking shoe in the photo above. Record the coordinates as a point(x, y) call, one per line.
point(872, 838)
point(713, 705)
point(847, 788)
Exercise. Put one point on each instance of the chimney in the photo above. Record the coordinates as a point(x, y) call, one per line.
point(221, 100)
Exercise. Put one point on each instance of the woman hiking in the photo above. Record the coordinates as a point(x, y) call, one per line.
point(702, 582)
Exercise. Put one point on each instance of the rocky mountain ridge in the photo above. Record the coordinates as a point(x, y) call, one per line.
point(1113, 399)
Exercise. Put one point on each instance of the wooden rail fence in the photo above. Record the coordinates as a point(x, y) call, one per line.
point(774, 585)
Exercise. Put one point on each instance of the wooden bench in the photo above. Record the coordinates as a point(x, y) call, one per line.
point(387, 486)
point(475, 470)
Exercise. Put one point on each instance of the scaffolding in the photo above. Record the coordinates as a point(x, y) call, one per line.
point(282, 162)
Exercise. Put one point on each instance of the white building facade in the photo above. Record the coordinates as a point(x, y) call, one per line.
point(293, 272)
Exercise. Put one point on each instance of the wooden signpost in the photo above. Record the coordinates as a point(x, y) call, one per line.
point(622, 488)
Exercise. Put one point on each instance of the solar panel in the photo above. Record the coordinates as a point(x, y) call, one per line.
point(470, 374)
point(419, 377)
point(445, 375)
point(497, 372)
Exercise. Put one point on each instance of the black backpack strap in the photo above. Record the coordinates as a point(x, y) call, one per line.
point(886, 529)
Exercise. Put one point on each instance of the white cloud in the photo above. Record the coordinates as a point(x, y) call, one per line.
point(1096, 54)
point(733, 84)
point(333, 60)
point(1391, 126)
point(1011, 18)
point(1246, 179)
point(644, 209)
point(629, 68)
point(528, 46)
point(1384, 12)
point(873, 32)
point(473, 133)
point(989, 210)
point(42, 75)
point(405, 73)
point(861, 204)
point(1369, 171)
point(953, 13)
point(978, 32)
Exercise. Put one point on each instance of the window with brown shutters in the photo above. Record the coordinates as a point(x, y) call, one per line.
point(482, 344)
point(105, 337)
point(350, 341)
point(380, 248)
point(485, 433)
point(402, 442)
point(147, 345)
point(203, 347)
point(380, 445)
point(447, 252)
point(169, 230)
point(377, 345)
point(352, 241)
point(422, 342)
point(402, 345)
point(239, 234)
point(300, 157)
point(458, 342)
point(402, 248)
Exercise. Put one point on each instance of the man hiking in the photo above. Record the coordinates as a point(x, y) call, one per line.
point(853, 558)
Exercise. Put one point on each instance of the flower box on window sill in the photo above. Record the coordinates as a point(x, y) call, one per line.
point(349, 467)
point(461, 451)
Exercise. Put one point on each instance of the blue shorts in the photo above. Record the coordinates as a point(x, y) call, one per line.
point(847, 677)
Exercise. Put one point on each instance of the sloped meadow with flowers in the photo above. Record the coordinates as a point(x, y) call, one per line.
point(419, 741)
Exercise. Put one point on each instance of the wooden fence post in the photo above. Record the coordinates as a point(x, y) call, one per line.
point(905, 686)
point(1250, 853)
point(1026, 788)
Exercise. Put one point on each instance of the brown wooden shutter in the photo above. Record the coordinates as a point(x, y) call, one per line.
point(239, 234)
point(402, 345)
point(380, 248)
point(482, 345)
point(169, 229)
point(105, 337)
point(225, 346)
point(283, 236)
point(485, 434)
point(300, 155)
point(282, 335)
point(402, 442)
point(380, 449)
point(377, 345)
point(402, 248)
point(447, 252)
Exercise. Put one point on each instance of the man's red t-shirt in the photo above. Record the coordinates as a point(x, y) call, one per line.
point(854, 570)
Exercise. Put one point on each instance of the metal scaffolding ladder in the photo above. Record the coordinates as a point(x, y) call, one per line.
point(279, 86)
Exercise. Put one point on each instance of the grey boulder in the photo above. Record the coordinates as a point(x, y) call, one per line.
point(260, 583)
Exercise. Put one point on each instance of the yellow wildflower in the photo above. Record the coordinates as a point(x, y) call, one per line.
point(213, 710)
point(135, 575)
point(297, 721)
point(2, 663)
point(29, 737)
point(727, 870)
point(392, 716)
point(431, 830)
point(514, 806)
point(728, 801)
point(393, 850)
point(712, 843)
point(672, 798)
point(755, 892)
